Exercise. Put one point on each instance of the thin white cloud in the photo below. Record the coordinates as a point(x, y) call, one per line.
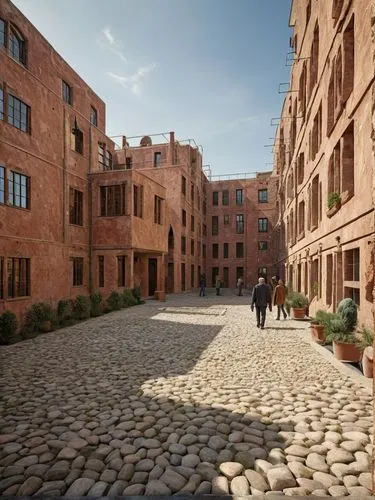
point(239, 123)
point(112, 44)
point(134, 81)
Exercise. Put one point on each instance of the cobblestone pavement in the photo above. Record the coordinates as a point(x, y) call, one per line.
point(183, 396)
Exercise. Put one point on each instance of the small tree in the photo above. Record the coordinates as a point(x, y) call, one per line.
point(82, 307)
point(8, 327)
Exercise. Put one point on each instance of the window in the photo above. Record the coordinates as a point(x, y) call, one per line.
point(184, 217)
point(183, 185)
point(192, 193)
point(239, 273)
point(192, 247)
point(157, 210)
point(300, 168)
point(314, 58)
point(315, 202)
point(121, 270)
point(215, 251)
point(18, 114)
point(239, 251)
point(100, 271)
point(128, 163)
point(2, 33)
point(17, 45)
point(2, 185)
point(204, 251)
point(67, 93)
point(112, 200)
point(93, 116)
point(215, 198)
point(75, 207)
point(192, 223)
point(225, 197)
point(18, 277)
point(214, 274)
point(348, 70)
point(226, 220)
point(183, 245)
point(308, 12)
point(316, 136)
point(192, 276)
point(77, 271)
point(263, 225)
point(198, 199)
point(157, 159)
point(262, 245)
point(204, 230)
point(77, 138)
point(138, 201)
point(347, 161)
point(215, 225)
point(262, 195)
point(104, 157)
point(1, 277)
point(226, 250)
point(183, 277)
point(301, 218)
point(18, 190)
point(239, 196)
point(240, 224)
point(262, 272)
point(336, 9)
point(1, 103)
point(352, 265)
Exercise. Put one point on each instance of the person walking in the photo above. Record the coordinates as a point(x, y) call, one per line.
point(240, 286)
point(202, 285)
point(217, 285)
point(279, 297)
point(261, 297)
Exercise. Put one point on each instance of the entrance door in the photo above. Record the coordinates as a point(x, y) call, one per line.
point(152, 276)
point(170, 277)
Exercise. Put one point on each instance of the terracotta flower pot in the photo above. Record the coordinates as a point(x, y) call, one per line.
point(317, 333)
point(367, 362)
point(298, 312)
point(348, 353)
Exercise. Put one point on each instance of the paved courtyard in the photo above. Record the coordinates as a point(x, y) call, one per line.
point(184, 396)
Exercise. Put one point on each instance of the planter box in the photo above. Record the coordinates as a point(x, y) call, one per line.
point(317, 333)
point(367, 362)
point(298, 312)
point(348, 353)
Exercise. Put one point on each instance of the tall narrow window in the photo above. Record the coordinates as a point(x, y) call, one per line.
point(77, 138)
point(225, 197)
point(183, 185)
point(112, 200)
point(240, 224)
point(2, 33)
point(157, 159)
point(121, 270)
point(348, 70)
point(239, 273)
point(183, 245)
point(215, 251)
point(329, 268)
point(347, 167)
point(239, 196)
point(1, 103)
point(128, 163)
point(1, 277)
point(263, 225)
point(301, 218)
point(226, 250)
point(239, 250)
point(192, 247)
point(2, 184)
point(17, 45)
point(262, 195)
point(100, 271)
point(226, 220)
point(183, 276)
point(18, 277)
point(314, 58)
point(315, 202)
point(192, 276)
point(75, 207)
point(215, 225)
point(18, 114)
point(215, 198)
point(157, 210)
point(138, 201)
point(67, 93)
point(262, 272)
point(352, 274)
point(192, 223)
point(93, 116)
point(192, 189)
point(108, 160)
point(184, 217)
point(77, 271)
point(18, 190)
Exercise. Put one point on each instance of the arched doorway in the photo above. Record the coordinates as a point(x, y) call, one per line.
point(170, 274)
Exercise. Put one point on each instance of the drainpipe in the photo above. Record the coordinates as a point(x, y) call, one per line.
point(89, 216)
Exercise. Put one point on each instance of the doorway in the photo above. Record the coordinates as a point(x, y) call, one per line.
point(152, 276)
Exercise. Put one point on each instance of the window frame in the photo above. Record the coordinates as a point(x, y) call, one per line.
point(239, 197)
point(14, 102)
point(121, 271)
point(12, 192)
point(240, 254)
point(157, 159)
point(101, 270)
point(215, 198)
point(107, 206)
point(240, 224)
point(261, 198)
point(78, 271)
point(75, 207)
point(67, 92)
point(261, 222)
point(158, 207)
point(225, 197)
point(262, 246)
point(18, 286)
point(14, 32)
point(93, 116)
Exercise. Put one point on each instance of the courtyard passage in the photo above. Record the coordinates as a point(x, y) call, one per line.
point(182, 396)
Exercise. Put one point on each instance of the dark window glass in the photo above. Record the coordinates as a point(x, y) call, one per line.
point(1, 104)
point(17, 46)
point(183, 217)
point(75, 207)
point(262, 245)
point(239, 250)
point(2, 33)
point(108, 160)
point(78, 141)
point(225, 197)
point(138, 201)
point(18, 277)
point(215, 198)
point(18, 113)
point(18, 190)
point(101, 270)
point(239, 196)
point(157, 159)
point(183, 245)
point(226, 250)
point(215, 225)
point(263, 225)
point(263, 195)
point(215, 251)
point(121, 270)
point(157, 210)
point(192, 192)
point(183, 185)
point(129, 164)
point(112, 200)
point(2, 185)
point(2, 271)
point(67, 93)
point(93, 116)
point(77, 271)
point(240, 225)
point(262, 272)
point(226, 220)
point(192, 223)
point(192, 247)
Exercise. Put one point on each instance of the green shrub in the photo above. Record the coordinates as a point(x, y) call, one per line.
point(65, 310)
point(137, 293)
point(296, 300)
point(96, 300)
point(338, 332)
point(8, 327)
point(128, 299)
point(38, 315)
point(366, 339)
point(347, 309)
point(114, 301)
point(333, 199)
point(82, 307)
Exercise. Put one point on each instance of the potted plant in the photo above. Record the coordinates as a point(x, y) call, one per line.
point(365, 345)
point(342, 332)
point(298, 303)
point(334, 203)
point(321, 326)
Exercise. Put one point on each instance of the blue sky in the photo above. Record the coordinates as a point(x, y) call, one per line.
point(207, 69)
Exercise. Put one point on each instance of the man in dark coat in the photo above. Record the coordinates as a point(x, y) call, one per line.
point(261, 298)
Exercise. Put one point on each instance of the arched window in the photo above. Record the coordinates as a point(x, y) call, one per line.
point(17, 45)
